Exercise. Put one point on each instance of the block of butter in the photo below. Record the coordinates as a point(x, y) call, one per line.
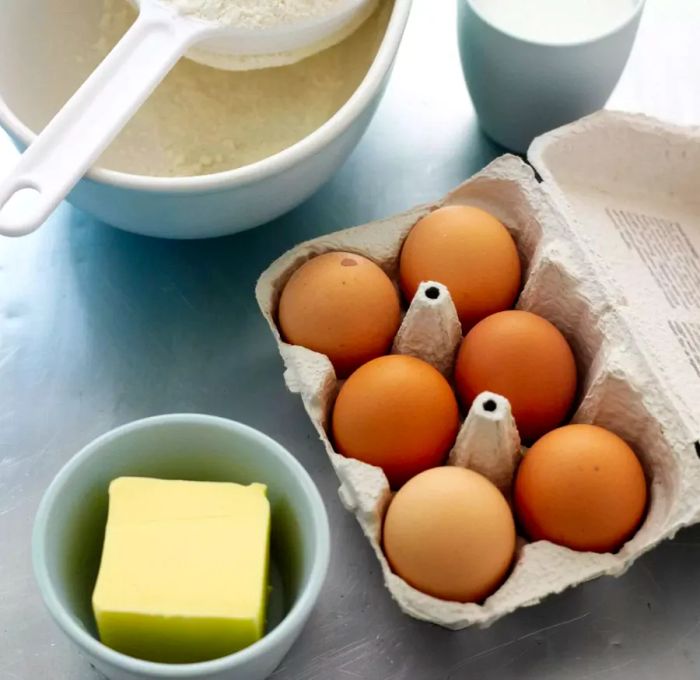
point(184, 569)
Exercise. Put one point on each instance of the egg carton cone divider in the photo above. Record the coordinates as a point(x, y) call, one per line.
point(619, 195)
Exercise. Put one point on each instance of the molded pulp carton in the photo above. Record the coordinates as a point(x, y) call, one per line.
point(610, 241)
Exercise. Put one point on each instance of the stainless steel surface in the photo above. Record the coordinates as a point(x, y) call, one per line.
point(98, 327)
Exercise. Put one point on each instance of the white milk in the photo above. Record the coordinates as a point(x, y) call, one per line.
point(555, 21)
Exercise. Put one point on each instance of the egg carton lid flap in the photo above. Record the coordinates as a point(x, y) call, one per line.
point(644, 244)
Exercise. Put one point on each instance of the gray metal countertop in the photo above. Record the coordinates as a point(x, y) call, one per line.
point(99, 327)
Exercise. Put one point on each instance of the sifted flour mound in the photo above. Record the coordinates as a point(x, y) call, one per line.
point(269, 14)
point(254, 13)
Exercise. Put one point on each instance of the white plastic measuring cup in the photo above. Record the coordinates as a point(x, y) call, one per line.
point(76, 137)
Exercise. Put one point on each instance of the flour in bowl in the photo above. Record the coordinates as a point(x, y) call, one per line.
point(202, 120)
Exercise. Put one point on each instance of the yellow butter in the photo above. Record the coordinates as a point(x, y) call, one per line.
point(183, 576)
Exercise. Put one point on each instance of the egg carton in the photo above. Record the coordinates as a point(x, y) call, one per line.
point(609, 241)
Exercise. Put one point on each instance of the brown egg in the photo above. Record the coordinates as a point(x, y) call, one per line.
point(450, 533)
point(396, 412)
point(341, 305)
point(582, 487)
point(469, 251)
point(527, 360)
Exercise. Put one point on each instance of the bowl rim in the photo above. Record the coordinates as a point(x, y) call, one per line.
point(288, 627)
point(632, 15)
point(279, 162)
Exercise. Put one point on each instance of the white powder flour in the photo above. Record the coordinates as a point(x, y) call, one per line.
point(203, 120)
point(254, 13)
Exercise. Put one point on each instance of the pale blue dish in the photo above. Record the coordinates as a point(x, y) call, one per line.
point(70, 522)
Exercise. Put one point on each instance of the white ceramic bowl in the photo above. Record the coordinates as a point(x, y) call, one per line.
point(182, 207)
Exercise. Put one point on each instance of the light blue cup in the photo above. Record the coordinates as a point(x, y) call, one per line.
point(69, 530)
point(523, 88)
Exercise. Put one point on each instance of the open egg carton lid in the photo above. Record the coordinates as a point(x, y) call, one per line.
point(629, 187)
point(610, 241)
